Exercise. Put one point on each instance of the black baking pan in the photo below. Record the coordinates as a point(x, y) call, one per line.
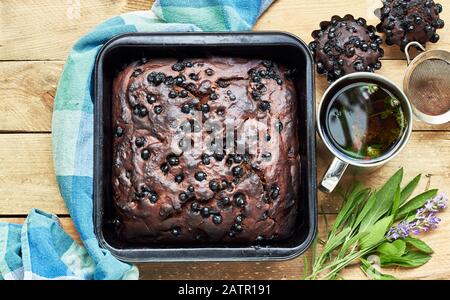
point(277, 46)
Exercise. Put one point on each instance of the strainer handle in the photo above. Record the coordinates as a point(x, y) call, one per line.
point(419, 45)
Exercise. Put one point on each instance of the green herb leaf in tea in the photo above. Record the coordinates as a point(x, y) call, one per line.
point(372, 88)
point(374, 150)
point(364, 121)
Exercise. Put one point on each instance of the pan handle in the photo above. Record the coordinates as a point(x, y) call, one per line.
point(418, 45)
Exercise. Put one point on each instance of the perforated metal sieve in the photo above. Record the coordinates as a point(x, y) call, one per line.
point(427, 84)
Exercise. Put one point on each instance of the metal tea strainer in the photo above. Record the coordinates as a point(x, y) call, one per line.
point(427, 84)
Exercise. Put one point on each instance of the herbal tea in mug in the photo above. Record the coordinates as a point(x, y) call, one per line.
point(364, 120)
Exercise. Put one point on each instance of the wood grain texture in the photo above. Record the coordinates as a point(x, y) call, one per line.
point(27, 177)
point(27, 89)
point(35, 39)
point(46, 29)
point(437, 268)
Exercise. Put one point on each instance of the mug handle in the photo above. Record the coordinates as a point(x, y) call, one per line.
point(333, 175)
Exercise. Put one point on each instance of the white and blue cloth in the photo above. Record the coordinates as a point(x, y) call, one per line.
point(40, 249)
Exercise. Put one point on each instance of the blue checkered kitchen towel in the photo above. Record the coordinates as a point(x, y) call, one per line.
point(40, 249)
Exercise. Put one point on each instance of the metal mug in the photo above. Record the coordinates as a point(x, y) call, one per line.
point(341, 161)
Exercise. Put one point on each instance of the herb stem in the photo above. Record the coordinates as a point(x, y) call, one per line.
point(347, 261)
point(380, 113)
point(338, 264)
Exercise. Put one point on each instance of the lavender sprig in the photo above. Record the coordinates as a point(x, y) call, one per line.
point(425, 219)
point(361, 226)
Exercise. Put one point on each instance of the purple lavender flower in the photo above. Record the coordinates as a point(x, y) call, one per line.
point(429, 206)
point(425, 219)
point(440, 201)
point(401, 230)
point(429, 222)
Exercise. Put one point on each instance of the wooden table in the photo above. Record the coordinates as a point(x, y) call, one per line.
point(35, 37)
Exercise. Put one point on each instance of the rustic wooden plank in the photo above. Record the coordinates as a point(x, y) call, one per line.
point(437, 268)
point(425, 154)
point(27, 89)
point(26, 172)
point(29, 29)
point(46, 30)
point(27, 177)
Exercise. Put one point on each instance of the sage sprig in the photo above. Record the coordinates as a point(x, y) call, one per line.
point(375, 222)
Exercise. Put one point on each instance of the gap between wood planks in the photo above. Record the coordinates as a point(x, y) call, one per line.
point(26, 162)
point(29, 108)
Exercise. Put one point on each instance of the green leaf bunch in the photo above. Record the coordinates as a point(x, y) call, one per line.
point(360, 230)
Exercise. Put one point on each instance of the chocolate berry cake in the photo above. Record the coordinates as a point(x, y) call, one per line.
point(345, 45)
point(403, 21)
point(165, 191)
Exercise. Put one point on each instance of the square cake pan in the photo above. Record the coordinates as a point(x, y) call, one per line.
point(277, 46)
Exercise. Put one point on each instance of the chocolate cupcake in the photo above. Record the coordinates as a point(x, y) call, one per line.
point(345, 45)
point(403, 21)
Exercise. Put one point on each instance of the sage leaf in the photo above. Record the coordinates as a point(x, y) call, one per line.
point(348, 243)
point(362, 223)
point(382, 276)
point(419, 245)
point(373, 273)
point(349, 206)
point(335, 241)
point(384, 198)
point(409, 189)
point(400, 245)
point(409, 260)
point(365, 210)
point(396, 248)
point(396, 202)
point(376, 233)
point(415, 203)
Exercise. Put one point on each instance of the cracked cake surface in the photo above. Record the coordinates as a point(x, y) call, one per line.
point(164, 191)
